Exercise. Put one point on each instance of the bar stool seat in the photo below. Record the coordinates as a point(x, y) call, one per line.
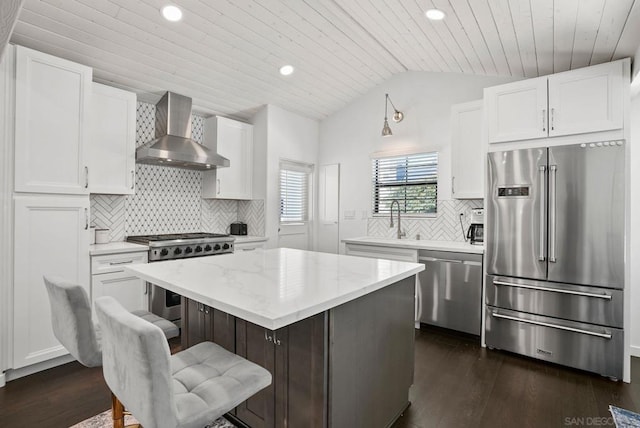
point(169, 329)
point(186, 390)
point(73, 326)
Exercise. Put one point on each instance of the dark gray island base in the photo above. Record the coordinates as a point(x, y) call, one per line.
point(349, 366)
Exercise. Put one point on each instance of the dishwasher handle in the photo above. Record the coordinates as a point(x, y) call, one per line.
point(435, 259)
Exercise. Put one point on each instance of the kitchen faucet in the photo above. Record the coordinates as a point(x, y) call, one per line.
point(400, 232)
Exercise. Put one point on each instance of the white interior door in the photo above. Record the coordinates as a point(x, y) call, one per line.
point(328, 208)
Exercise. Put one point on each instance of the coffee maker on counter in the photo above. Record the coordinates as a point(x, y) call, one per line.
point(475, 234)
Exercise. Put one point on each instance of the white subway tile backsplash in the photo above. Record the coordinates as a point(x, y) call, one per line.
point(444, 227)
point(252, 213)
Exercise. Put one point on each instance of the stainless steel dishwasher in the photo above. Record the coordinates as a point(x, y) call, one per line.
point(451, 290)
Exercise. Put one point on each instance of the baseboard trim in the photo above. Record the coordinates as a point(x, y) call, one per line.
point(13, 374)
point(634, 351)
point(3, 380)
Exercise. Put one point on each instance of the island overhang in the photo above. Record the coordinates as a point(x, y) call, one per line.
point(277, 287)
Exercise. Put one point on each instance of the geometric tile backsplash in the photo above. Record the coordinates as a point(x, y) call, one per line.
point(445, 226)
point(167, 200)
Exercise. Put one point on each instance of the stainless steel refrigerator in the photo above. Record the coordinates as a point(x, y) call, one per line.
point(555, 254)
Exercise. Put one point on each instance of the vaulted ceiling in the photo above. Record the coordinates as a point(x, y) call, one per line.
point(225, 54)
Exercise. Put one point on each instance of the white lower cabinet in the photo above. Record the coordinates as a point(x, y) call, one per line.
point(51, 238)
point(108, 278)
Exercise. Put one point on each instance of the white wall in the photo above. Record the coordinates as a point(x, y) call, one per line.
point(280, 134)
point(352, 134)
point(634, 233)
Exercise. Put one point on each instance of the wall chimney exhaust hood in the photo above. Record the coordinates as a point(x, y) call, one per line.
point(173, 145)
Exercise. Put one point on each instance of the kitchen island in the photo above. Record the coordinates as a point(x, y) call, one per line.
point(335, 331)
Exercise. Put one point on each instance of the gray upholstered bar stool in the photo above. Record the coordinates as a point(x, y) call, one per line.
point(72, 324)
point(186, 390)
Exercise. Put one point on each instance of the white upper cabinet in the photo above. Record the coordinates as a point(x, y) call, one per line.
point(51, 238)
point(517, 111)
point(52, 98)
point(234, 141)
point(467, 151)
point(111, 143)
point(585, 100)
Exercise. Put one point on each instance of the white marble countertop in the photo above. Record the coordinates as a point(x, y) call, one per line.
point(115, 248)
point(277, 287)
point(458, 247)
point(241, 239)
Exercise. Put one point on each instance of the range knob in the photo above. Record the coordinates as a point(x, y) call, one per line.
point(216, 247)
point(188, 250)
point(225, 247)
point(207, 248)
point(164, 252)
point(177, 251)
point(198, 249)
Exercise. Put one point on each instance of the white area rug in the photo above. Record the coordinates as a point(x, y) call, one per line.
point(103, 420)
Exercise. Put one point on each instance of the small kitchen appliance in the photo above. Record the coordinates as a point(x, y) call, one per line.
point(166, 303)
point(475, 234)
point(238, 228)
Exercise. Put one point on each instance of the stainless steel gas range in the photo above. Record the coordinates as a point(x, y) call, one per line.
point(178, 246)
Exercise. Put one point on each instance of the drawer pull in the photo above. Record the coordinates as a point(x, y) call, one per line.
point(604, 296)
point(551, 325)
point(126, 262)
point(249, 249)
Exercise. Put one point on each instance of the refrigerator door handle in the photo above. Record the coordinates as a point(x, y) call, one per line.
point(552, 325)
point(543, 213)
point(552, 213)
point(604, 296)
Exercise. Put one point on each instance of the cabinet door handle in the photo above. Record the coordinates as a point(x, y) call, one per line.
point(267, 337)
point(86, 218)
point(544, 120)
point(553, 111)
point(218, 180)
point(275, 339)
point(453, 185)
point(133, 179)
point(86, 177)
point(206, 309)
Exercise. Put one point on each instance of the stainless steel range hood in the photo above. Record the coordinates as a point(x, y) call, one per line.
point(173, 145)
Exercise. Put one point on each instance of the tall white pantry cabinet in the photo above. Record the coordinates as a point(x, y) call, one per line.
point(51, 193)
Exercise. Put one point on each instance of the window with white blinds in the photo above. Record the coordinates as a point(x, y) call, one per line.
point(412, 180)
point(294, 191)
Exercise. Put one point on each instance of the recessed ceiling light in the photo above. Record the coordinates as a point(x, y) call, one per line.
point(172, 13)
point(286, 70)
point(435, 14)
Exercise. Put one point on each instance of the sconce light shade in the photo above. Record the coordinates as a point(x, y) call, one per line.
point(385, 129)
point(397, 116)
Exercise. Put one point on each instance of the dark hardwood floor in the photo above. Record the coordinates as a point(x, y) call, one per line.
point(457, 384)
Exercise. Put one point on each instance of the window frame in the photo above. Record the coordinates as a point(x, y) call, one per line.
point(375, 186)
point(307, 170)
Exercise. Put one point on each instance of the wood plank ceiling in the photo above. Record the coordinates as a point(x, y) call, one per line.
point(225, 54)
